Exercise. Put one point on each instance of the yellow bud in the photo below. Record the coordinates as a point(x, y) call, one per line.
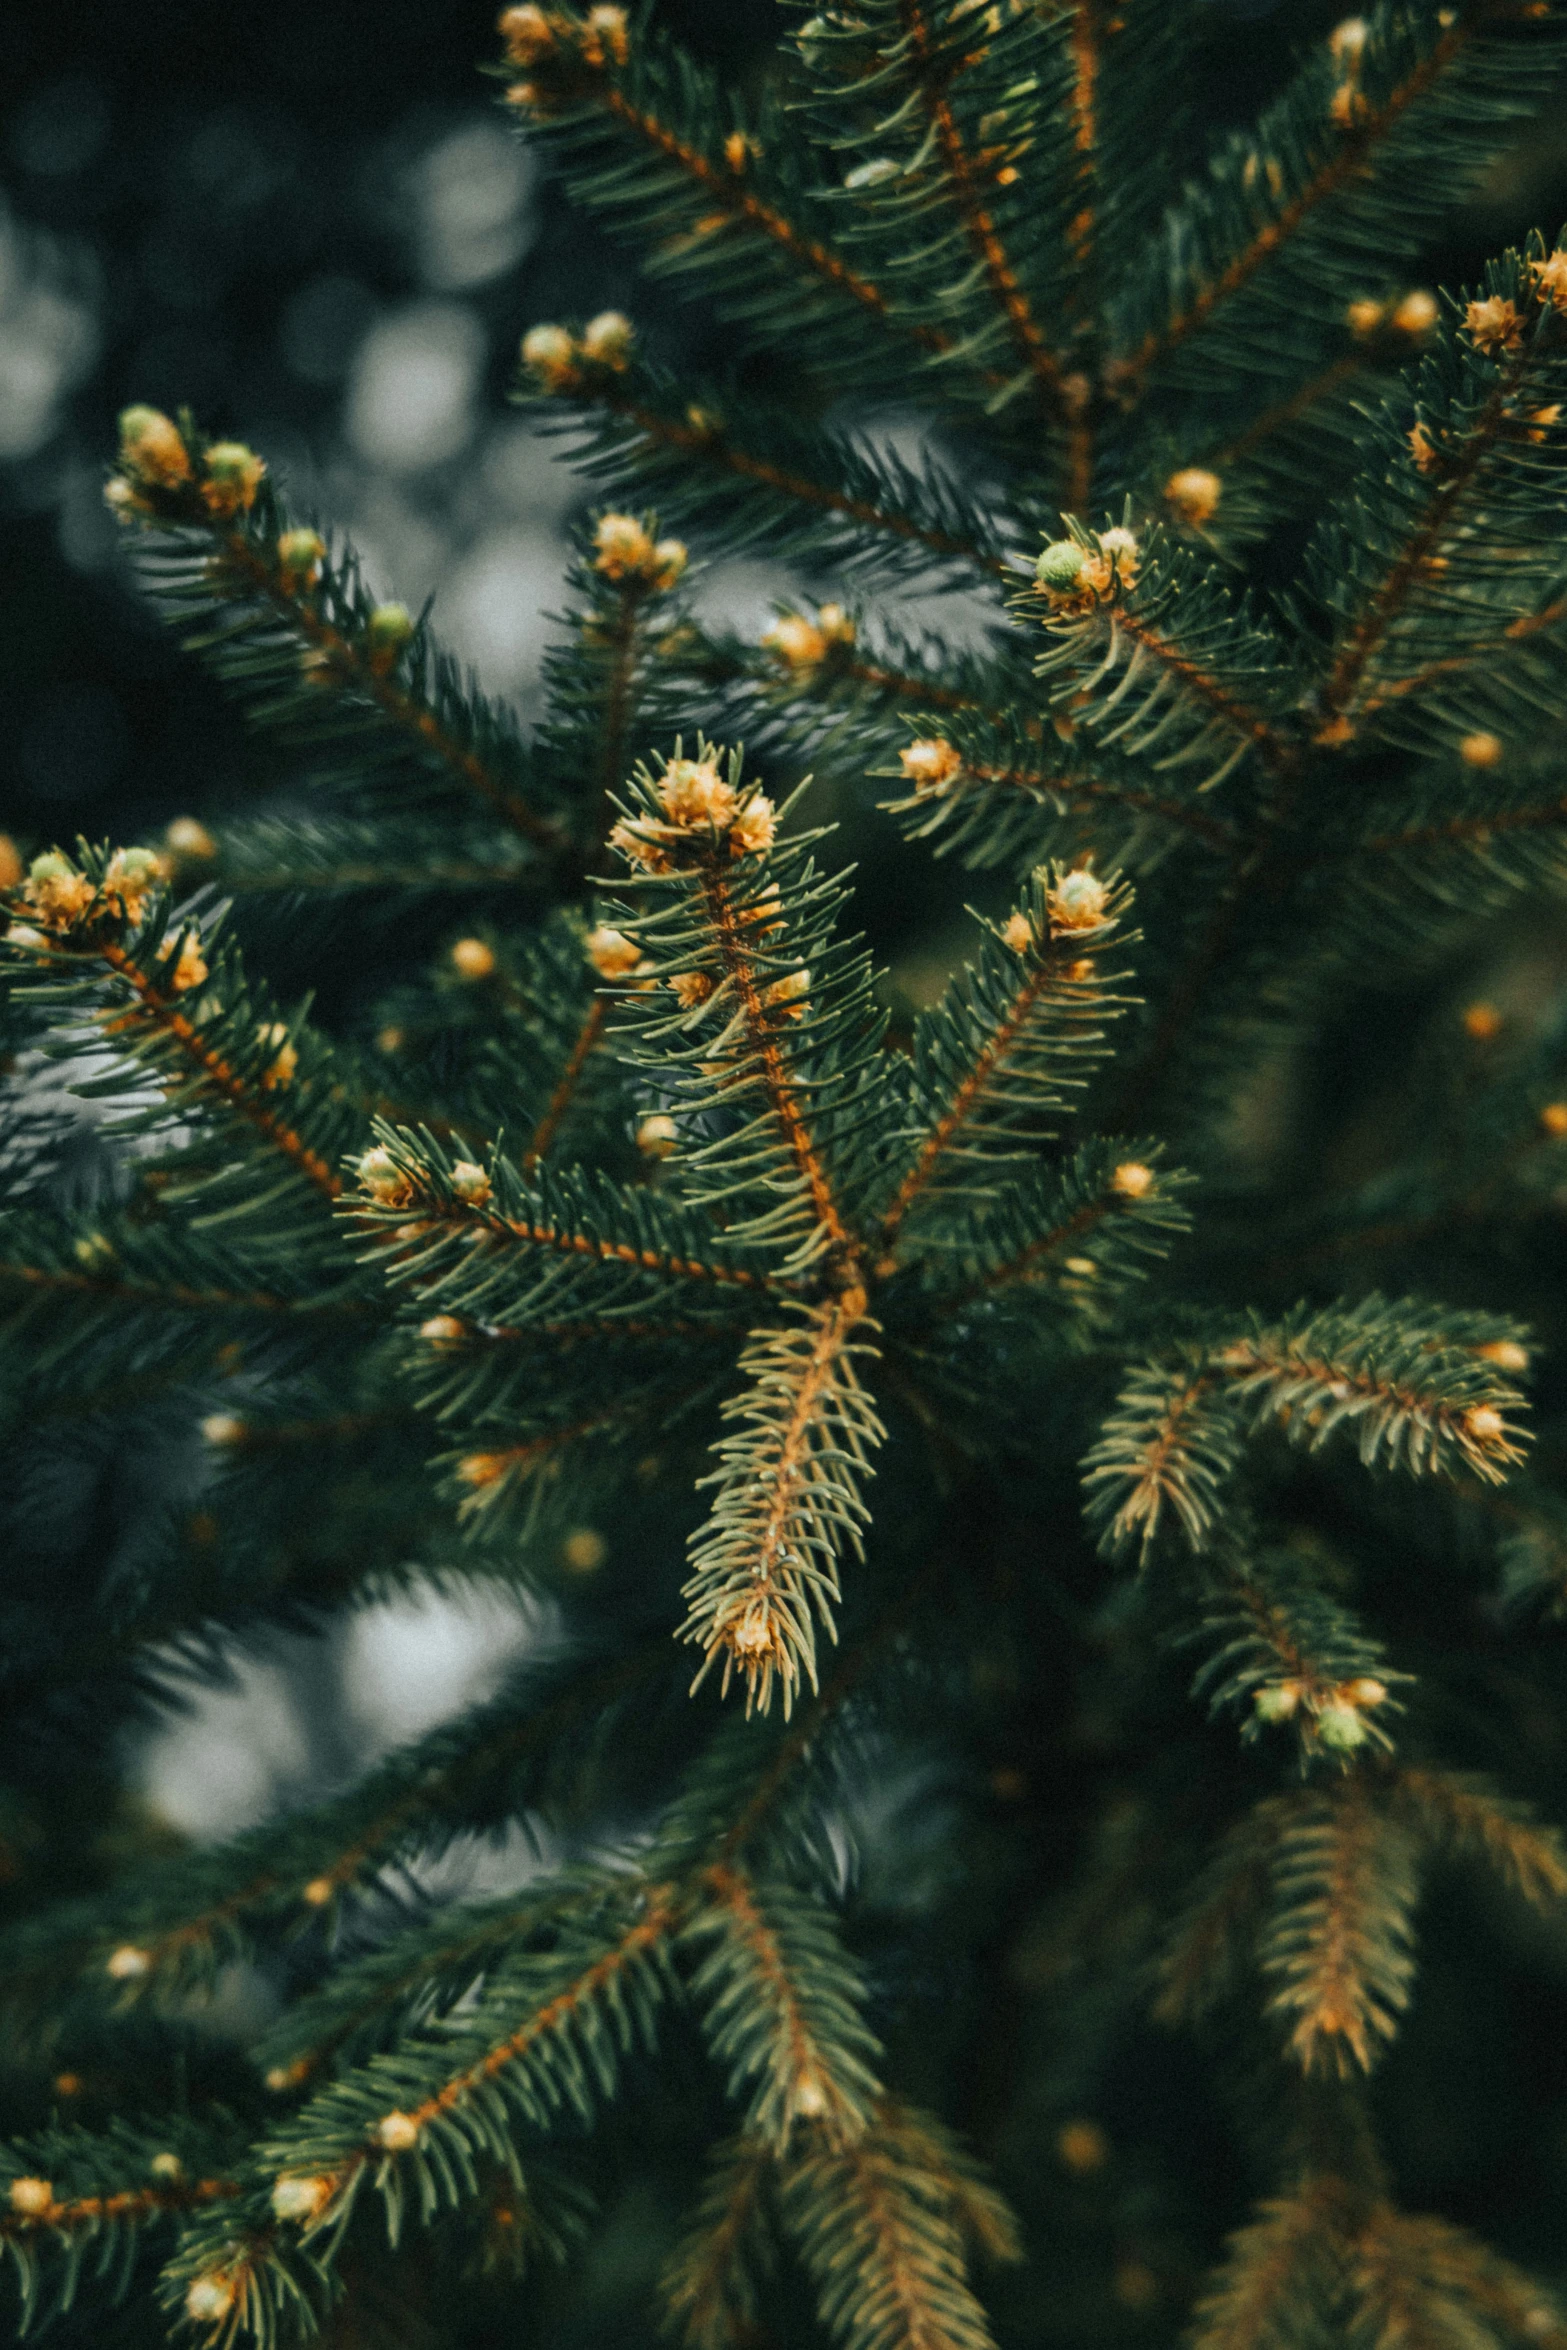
point(1194, 492)
point(657, 1137)
point(32, 2197)
point(397, 2132)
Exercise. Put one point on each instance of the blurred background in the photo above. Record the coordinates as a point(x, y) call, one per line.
point(310, 223)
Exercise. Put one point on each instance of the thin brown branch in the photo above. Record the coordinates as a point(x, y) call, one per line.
point(707, 442)
point(735, 199)
point(561, 1099)
point(1421, 550)
point(1211, 830)
point(340, 657)
point(979, 224)
point(1291, 409)
point(218, 1073)
point(782, 1093)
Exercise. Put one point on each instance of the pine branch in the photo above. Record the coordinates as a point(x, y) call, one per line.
point(415, 2121)
point(1150, 649)
point(79, 2204)
point(178, 1006)
point(1111, 1207)
point(1281, 1649)
point(879, 2237)
point(1418, 2280)
point(1414, 1384)
point(781, 2004)
point(1015, 1035)
point(786, 1500)
point(758, 476)
point(1374, 135)
point(1214, 1936)
point(1282, 2274)
point(296, 633)
point(711, 2285)
point(738, 210)
point(1477, 452)
point(1461, 1814)
point(774, 1024)
point(1339, 1947)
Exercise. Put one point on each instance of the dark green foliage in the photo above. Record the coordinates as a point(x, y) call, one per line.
point(642, 1248)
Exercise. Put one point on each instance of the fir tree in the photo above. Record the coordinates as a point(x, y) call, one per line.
point(900, 1413)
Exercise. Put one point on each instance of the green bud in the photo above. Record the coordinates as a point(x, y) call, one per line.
point(1342, 1727)
point(1277, 1702)
point(140, 864)
point(51, 866)
point(1060, 567)
point(390, 627)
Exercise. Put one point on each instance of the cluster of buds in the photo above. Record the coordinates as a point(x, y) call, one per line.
point(186, 838)
point(473, 959)
point(1192, 494)
point(300, 555)
point(805, 644)
point(210, 2298)
point(625, 551)
point(282, 1052)
point(555, 48)
point(1336, 1717)
point(1413, 314)
point(382, 1178)
point(156, 463)
point(59, 896)
point(559, 361)
point(701, 812)
point(1075, 575)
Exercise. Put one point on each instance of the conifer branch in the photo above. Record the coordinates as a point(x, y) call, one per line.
point(218, 1074)
point(971, 788)
point(710, 2284)
point(293, 629)
point(933, 74)
point(1348, 159)
point(588, 1037)
point(1419, 2279)
point(1464, 1816)
point(1289, 2258)
point(1458, 474)
point(1432, 1405)
point(780, 2007)
point(787, 1496)
point(599, 1996)
point(882, 2244)
point(1012, 1038)
point(704, 444)
point(1339, 1948)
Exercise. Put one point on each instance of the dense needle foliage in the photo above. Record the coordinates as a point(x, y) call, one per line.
point(900, 1412)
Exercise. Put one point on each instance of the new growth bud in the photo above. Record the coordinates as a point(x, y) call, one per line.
point(233, 476)
point(388, 634)
point(1059, 569)
point(1076, 901)
point(152, 448)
